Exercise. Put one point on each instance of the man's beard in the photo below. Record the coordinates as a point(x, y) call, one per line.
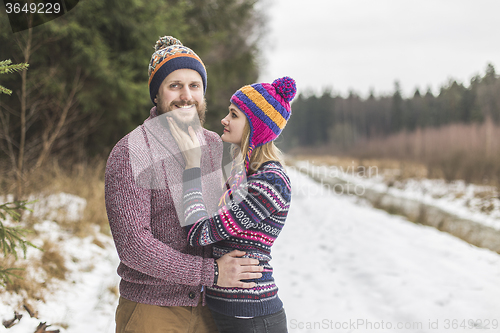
point(175, 113)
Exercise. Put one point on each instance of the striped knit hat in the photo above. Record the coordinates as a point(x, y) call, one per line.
point(267, 107)
point(171, 55)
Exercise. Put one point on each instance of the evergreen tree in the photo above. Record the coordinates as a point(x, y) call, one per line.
point(11, 238)
point(396, 109)
point(226, 34)
point(88, 82)
point(88, 76)
point(488, 94)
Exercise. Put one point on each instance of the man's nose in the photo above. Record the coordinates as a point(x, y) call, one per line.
point(185, 93)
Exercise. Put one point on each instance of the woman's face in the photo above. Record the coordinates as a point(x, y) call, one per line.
point(233, 123)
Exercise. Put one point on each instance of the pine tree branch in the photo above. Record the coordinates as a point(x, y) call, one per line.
point(6, 274)
point(5, 90)
point(13, 237)
point(6, 67)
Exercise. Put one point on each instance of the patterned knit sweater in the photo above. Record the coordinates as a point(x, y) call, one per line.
point(143, 187)
point(250, 222)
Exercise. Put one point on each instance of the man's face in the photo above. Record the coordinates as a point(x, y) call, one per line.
point(181, 96)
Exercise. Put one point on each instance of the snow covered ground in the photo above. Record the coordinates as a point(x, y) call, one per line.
point(341, 266)
point(346, 267)
point(86, 301)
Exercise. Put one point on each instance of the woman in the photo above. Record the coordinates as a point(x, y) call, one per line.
point(254, 208)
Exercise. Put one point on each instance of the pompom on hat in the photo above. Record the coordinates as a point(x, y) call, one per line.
point(267, 108)
point(171, 55)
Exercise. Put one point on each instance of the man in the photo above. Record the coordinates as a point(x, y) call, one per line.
point(162, 277)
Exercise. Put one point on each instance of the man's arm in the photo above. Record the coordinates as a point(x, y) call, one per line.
point(129, 209)
point(129, 214)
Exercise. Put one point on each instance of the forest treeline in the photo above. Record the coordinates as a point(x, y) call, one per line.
point(454, 134)
point(87, 82)
point(342, 122)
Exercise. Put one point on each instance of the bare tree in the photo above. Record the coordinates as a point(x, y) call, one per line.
point(46, 116)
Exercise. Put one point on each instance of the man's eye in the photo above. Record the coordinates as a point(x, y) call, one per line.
point(174, 85)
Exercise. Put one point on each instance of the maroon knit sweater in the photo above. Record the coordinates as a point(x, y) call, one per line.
point(143, 191)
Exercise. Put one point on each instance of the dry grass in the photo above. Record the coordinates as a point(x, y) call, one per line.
point(36, 275)
point(459, 151)
point(468, 152)
point(53, 263)
point(83, 180)
point(369, 167)
point(28, 285)
point(113, 290)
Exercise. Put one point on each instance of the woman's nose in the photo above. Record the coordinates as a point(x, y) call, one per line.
point(224, 122)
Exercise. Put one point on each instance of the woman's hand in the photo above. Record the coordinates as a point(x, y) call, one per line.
point(188, 144)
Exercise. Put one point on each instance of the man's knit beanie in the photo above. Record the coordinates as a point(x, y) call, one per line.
point(171, 55)
point(267, 108)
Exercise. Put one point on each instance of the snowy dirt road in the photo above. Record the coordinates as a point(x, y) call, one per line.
point(343, 266)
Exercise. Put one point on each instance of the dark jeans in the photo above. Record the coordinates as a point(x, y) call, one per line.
point(273, 323)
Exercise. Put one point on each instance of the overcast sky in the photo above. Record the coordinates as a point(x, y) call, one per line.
point(368, 44)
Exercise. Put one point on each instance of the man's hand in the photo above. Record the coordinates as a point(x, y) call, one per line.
point(233, 269)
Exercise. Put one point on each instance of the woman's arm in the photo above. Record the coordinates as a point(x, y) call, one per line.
point(265, 193)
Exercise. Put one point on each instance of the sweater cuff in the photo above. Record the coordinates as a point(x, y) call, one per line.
point(191, 179)
point(207, 278)
point(191, 174)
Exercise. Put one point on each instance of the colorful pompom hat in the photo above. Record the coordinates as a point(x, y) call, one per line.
point(267, 108)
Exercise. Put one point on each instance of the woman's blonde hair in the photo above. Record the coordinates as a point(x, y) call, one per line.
point(261, 154)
